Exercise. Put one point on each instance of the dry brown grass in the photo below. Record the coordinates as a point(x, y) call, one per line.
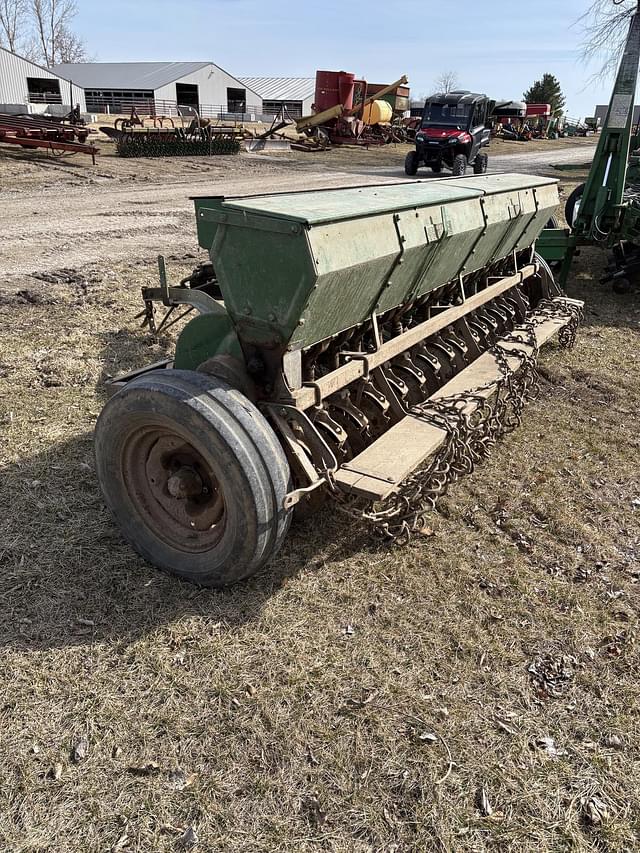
point(351, 698)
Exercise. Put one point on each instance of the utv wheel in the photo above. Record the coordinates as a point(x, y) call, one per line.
point(411, 162)
point(459, 165)
point(480, 164)
point(194, 476)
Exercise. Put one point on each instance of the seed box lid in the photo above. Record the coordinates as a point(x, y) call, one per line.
point(315, 207)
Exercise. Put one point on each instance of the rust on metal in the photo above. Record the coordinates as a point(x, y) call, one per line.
point(378, 470)
point(36, 132)
point(325, 386)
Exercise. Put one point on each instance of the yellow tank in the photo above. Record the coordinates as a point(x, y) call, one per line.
point(377, 112)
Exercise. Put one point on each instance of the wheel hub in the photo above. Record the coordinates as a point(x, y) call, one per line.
point(176, 488)
point(185, 483)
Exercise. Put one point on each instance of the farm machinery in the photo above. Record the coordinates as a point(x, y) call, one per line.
point(37, 132)
point(354, 112)
point(364, 345)
point(373, 116)
point(453, 131)
point(605, 210)
point(346, 112)
point(160, 136)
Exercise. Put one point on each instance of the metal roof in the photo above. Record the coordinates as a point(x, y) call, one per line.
point(126, 75)
point(457, 97)
point(281, 88)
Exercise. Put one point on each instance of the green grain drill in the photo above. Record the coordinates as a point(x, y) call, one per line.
point(364, 346)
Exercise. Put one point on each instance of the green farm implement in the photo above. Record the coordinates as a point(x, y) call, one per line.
point(605, 211)
point(365, 346)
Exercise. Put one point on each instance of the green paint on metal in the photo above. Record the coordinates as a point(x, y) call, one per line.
point(603, 217)
point(206, 227)
point(317, 207)
point(205, 336)
point(552, 244)
point(604, 189)
point(494, 184)
point(297, 268)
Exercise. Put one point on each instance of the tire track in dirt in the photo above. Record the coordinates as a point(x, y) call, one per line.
point(106, 224)
point(102, 222)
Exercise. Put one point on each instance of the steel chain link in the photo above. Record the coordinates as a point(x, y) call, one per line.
point(472, 422)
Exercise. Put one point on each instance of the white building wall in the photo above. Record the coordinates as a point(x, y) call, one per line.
point(13, 81)
point(212, 85)
point(307, 105)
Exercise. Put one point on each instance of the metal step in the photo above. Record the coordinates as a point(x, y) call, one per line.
point(382, 466)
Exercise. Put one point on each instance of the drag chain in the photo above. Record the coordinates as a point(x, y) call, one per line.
point(568, 333)
point(473, 422)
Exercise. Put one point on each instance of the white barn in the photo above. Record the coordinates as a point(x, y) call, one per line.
point(295, 94)
point(28, 87)
point(161, 87)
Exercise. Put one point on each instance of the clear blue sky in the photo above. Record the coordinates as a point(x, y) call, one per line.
point(497, 46)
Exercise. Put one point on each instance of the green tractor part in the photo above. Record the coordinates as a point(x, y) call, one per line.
point(364, 345)
point(605, 211)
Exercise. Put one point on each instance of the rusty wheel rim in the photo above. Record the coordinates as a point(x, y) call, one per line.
point(174, 489)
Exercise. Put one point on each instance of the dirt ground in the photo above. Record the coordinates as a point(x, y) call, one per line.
point(474, 691)
point(20, 170)
point(123, 210)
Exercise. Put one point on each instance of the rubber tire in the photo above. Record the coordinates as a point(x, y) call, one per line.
point(459, 167)
point(411, 162)
point(480, 164)
point(571, 203)
point(233, 435)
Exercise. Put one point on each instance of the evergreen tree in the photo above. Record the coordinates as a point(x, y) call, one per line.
point(546, 91)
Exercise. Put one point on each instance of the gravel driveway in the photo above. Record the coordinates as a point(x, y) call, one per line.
point(76, 217)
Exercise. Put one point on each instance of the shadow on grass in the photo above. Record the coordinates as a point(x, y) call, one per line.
point(41, 157)
point(603, 307)
point(68, 578)
point(125, 350)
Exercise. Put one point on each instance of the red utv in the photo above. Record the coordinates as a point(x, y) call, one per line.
point(453, 130)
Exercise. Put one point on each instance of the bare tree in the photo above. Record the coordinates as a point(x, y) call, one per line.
point(446, 82)
point(70, 47)
point(605, 25)
point(13, 20)
point(55, 40)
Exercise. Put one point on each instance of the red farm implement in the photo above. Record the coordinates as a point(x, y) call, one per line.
point(35, 132)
